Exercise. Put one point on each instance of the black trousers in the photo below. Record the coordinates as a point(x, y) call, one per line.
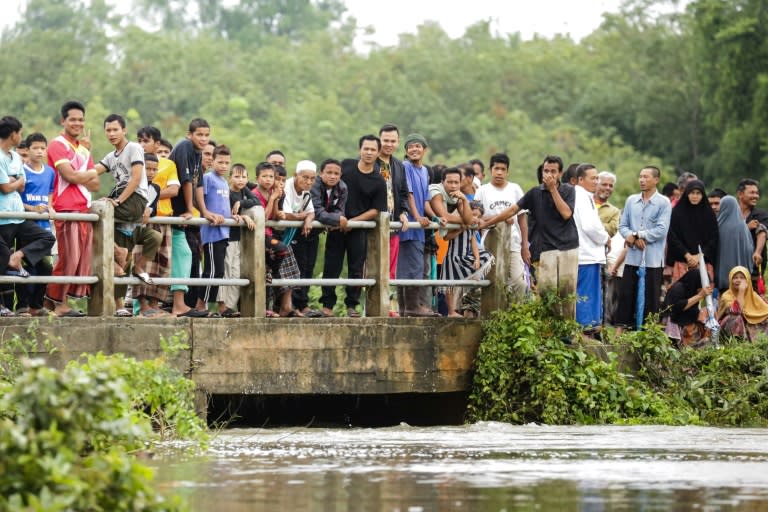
point(305, 252)
point(35, 241)
point(213, 268)
point(354, 245)
point(193, 240)
point(625, 312)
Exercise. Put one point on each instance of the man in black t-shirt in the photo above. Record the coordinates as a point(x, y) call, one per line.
point(552, 204)
point(367, 196)
point(186, 155)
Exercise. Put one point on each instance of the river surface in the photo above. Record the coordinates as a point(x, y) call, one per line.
point(480, 467)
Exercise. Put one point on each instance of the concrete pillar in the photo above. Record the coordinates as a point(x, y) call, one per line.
point(495, 296)
point(253, 299)
point(102, 301)
point(377, 267)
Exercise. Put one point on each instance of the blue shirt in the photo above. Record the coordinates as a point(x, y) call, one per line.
point(418, 185)
point(38, 187)
point(650, 219)
point(10, 165)
point(216, 196)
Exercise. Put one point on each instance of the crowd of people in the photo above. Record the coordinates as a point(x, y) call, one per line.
point(611, 266)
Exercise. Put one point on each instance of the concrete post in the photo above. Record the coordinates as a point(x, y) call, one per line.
point(497, 243)
point(102, 302)
point(253, 298)
point(377, 267)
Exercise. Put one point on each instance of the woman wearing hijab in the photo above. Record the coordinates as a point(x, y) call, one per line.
point(742, 313)
point(693, 225)
point(682, 305)
point(735, 247)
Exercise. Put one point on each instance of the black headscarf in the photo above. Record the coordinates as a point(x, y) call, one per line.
point(692, 226)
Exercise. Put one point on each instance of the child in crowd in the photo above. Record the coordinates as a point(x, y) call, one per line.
point(329, 199)
point(147, 297)
point(267, 196)
point(240, 199)
point(213, 201)
point(39, 178)
point(164, 148)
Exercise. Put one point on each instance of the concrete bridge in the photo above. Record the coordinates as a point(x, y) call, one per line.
point(423, 360)
point(259, 358)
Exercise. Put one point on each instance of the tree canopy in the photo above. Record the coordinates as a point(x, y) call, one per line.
point(685, 91)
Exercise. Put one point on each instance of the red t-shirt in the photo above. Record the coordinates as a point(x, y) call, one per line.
point(69, 197)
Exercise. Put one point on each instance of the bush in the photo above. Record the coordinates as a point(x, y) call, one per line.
point(67, 437)
point(528, 369)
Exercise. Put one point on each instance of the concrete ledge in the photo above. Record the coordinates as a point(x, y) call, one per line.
point(282, 356)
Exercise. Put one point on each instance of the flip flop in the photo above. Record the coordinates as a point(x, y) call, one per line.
point(17, 273)
point(194, 313)
point(271, 314)
point(313, 313)
point(144, 277)
point(352, 313)
point(230, 313)
point(294, 313)
point(123, 313)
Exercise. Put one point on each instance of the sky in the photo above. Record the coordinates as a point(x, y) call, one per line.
point(392, 17)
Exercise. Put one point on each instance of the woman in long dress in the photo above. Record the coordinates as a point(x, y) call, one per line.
point(693, 224)
point(735, 248)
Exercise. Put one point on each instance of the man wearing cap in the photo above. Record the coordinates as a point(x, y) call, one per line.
point(297, 205)
point(411, 262)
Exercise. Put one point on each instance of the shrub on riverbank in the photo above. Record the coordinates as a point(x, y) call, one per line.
point(67, 437)
point(526, 373)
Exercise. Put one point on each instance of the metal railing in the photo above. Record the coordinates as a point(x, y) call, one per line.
point(252, 281)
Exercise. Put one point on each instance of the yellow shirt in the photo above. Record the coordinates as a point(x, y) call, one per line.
point(166, 175)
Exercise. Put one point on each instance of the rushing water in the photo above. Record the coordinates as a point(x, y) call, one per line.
point(481, 467)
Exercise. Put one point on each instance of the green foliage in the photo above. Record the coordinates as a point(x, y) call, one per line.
point(66, 436)
point(525, 373)
point(17, 347)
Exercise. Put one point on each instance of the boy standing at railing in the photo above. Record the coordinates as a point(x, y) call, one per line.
point(75, 179)
point(240, 199)
point(329, 198)
point(38, 187)
point(212, 194)
point(129, 197)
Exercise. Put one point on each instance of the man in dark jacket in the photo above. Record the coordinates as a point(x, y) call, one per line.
point(397, 193)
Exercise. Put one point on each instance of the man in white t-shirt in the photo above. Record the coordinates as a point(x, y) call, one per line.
point(496, 196)
point(593, 241)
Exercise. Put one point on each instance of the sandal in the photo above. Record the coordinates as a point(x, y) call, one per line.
point(352, 313)
point(230, 313)
point(294, 313)
point(194, 313)
point(23, 312)
point(144, 277)
point(271, 314)
point(21, 272)
point(5, 312)
point(123, 313)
